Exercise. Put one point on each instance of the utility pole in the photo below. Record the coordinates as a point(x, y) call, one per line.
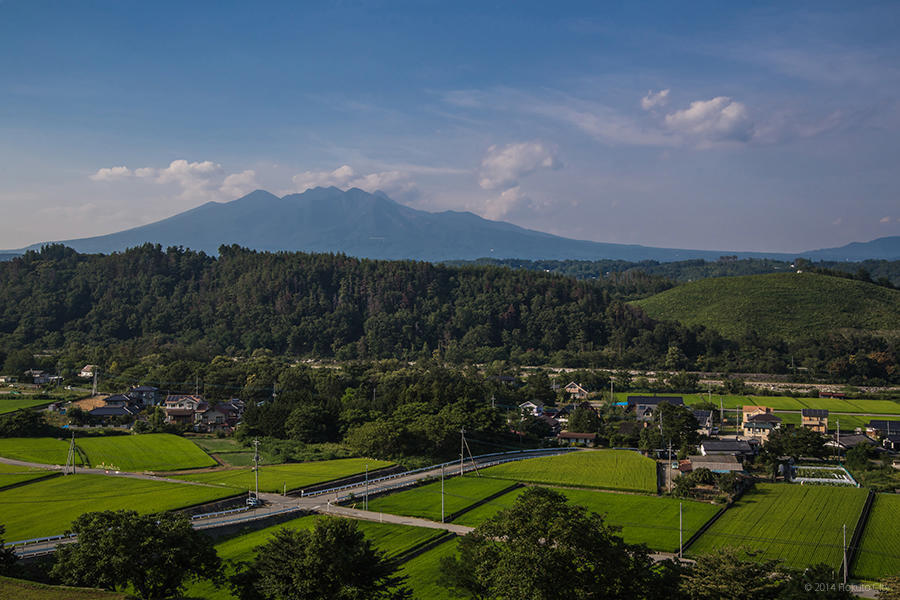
point(70, 459)
point(838, 449)
point(442, 493)
point(845, 554)
point(612, 395)
point(94, 388)
point(256, 463)
point(680, 530)
point(462, 448)
point(669, 467)
point(366, 503)
point(493, 400)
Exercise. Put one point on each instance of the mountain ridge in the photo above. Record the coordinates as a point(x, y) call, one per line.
point(372, 225)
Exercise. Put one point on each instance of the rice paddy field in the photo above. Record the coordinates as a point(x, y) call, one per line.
point(650, 520)
point(604, 469)
point(423, 572)
point(47, 451)
point(885, 407)
point(390, 538)
point(48, 507)
point(146, 452)
point(10, 403)
point(425, 500)
point(797, 524)
point(11, 474)
point(879, 550)
point(294, 476)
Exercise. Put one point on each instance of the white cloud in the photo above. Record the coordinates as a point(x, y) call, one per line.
point(884, 220)
point(339, 178)
point(239, 184)
point(112, 174)
point(654, 99)
point(720, 119)
point(509, 201)
point(396, 183)
point(501, 168)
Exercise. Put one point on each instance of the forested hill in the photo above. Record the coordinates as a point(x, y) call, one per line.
point(148, 299)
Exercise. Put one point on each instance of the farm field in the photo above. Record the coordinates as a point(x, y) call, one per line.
point(20, 589)
point(11, 403)
point(423, 572)
point(390, 538)
point(295, 475)
point(605, 469)
point(11, 474)
point(798, 524)
point(425, 500)
point(48, 451)
point(47, 507)
point(145, 452)
point(650, 520)
point(879, 549)
point(886, 407)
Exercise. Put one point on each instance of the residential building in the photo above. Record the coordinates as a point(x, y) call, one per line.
point(184, 409)
point(145, 394)
point(634, 401)
point(577, 439)
point(704, 421)
point(733, 447)
point(87, 371)
point(879, 427)
point(750, 410)
point(532, 407)
point(717, 463)
point(891, 442)
point(761, 425)
point(815, 419)
point(845, 441)
point(576, 391)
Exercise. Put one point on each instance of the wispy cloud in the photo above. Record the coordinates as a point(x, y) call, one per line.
point(197, 181)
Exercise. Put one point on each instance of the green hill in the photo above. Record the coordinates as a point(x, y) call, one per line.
point(788, 305)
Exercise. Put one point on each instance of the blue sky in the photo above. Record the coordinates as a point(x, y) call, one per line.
point(697, 125)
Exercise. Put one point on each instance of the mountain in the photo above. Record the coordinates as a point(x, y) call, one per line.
point(786, 305)
point(371, 225)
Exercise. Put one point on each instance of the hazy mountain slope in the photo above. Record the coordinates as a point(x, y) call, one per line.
point(788, 305)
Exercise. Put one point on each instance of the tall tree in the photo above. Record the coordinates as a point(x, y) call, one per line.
point(726, 573)
point(333, 561)
point(7, 556)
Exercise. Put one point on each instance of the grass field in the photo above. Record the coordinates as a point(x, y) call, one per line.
point(798, 524)
point(47, 451)
point(879, 550)
point(18, 589)
point(47, 507)
point(425, 501)
point(424, 571)
point(9, 404)
point(147, 452)
point(295, 475)
point(390, 538)
point(605, 469)
point(650, 520)
point(785, 305)
point(10, 474)
point(835, 405)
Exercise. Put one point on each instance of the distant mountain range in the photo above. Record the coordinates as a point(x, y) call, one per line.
point(372, 225)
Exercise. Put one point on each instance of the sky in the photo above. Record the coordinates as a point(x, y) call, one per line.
point(707, 125)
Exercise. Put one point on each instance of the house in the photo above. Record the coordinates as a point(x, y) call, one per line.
point(87, 371)
point(38, 377)
point(891, 442)
point(145, 394)
point(105, 413)
point(563, 414)
point(717, 463)
point(733, 447)
point(815, 419)
point(532, 407)
point(845, 441)
point(184, 409)
point(552, 422)
point(577, 439)
point(634, 401)
point(880, 427)
point(218, 417)
point(644, 412)
point(8, 378)
point(750, 410)
point(760, 425)
point(576, 391)
point(704, 421)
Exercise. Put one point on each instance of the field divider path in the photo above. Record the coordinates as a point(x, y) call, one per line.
point(858, 530)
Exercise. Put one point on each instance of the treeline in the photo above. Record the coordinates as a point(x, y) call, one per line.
point(880, 272)
point(113, 309)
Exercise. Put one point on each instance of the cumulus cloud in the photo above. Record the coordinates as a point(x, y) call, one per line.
point(501, 168)
point(344, 177)
point(197, 181)
point(112, 174)
point(720, 119)
point(654, 99)
point(884, 220)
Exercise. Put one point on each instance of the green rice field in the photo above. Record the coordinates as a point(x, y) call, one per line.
point(9, 403)
point(274, 478)
point(797, 524)
point(390, 538)
point(886, 407)
point(11, 474)
point(650, 520)
point(47, 451)
point(605, 469)
point(47, 507)
point(146, 452)
point(879, 550)
point(424, 501)
point(423, 572)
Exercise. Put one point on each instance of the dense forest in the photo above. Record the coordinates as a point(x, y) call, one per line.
point(881, 272)
point(147, 299)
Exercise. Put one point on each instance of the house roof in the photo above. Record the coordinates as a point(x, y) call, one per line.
point(654, 400)
point(117, 398)
point(702, 415)
point(752, 408)
point(566, 435)
point(173, 398)
point(536, 403)
point(818, 413)
point(850, 440)
point(577, 385)
point(179, 412)
point(111, 411)
point(893, 438)
point(727, 446)
point(717, 463)
point(144, 388)
point(884, 425)
point(763, 418)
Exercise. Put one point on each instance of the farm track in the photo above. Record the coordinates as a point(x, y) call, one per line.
point(93, 471)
